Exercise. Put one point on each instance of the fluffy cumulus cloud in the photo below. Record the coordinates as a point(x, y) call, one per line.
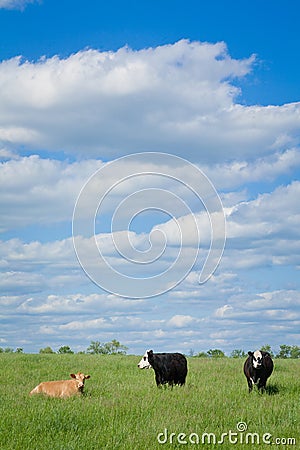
point(95, 106)
point(165, 98)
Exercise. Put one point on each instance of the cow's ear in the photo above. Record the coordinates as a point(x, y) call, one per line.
point(87, 377)
point(150, 353)
point(72, 375)
point(250, 353)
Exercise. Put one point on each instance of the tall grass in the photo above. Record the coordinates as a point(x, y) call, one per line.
point(123, 409)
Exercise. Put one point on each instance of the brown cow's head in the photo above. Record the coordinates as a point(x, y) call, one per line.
point(80, 378)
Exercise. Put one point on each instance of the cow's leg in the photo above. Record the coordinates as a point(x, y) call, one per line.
point(158, 379)
point(250, 384)
point(261, 385)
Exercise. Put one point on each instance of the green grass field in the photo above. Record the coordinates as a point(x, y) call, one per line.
point(123, 409)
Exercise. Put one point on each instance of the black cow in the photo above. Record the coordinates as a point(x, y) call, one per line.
point(169, 367)
point(257, 369)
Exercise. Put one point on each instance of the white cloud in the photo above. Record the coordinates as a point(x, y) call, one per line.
point(240, 172)
point(16, 253)
point(7, 154)
point(40, 191)
point(277, 309)
point(275, 299)
point(12, 282)
point(270, 215)
point(179, 98)
point(69, 304)
point(181, 321)
point(223, 310)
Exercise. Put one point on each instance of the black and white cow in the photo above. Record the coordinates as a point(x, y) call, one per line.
point(257, 369)
point(169, 368)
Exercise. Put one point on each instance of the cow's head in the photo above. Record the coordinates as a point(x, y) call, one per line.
point(144, 362)
point(80, 378)
point(256, 358)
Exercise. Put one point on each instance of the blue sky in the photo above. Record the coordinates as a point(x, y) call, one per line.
point(84, 84)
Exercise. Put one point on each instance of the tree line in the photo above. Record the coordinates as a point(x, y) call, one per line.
point(114, 347)
point(285, 351)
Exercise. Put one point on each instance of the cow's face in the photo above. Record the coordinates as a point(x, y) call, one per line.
point(80, 378)
point(256, 359)
point(144, 363)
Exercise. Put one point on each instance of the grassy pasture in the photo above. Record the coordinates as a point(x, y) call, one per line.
point(123, 409)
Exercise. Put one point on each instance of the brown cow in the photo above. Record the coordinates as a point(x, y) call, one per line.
point(62, 388)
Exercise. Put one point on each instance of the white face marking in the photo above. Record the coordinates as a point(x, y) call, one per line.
point(257, 359)
point(144, 363)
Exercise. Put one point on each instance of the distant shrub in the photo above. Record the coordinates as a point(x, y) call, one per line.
point(201, 355)
point(65, 349)
point(8, 350)
point(216, 353)
point(109, 348)
point(19, 350)
point(238, 353)
point(46, 350)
